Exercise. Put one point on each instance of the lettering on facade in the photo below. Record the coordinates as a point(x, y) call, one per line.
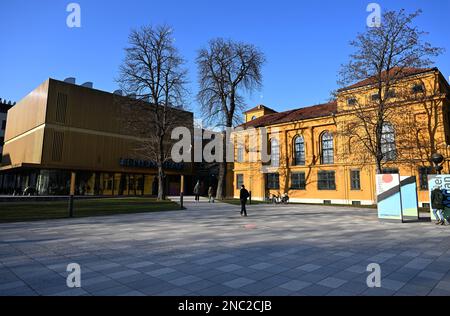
point(149, 164)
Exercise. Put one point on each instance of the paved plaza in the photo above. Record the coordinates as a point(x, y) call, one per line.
point(209, 249)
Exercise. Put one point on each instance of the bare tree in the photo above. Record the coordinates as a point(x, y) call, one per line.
point(227, 70)
point(153, 73)
point(383, 56)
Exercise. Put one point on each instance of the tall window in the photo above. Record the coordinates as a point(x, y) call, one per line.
point(355, 180)
point(274, 153)
point(299, 151)
point(423, 177)
point(240, 153)
point(298, 181)
point(327, 149)
point(273, 181)
point(388, 148)
point(326, 180)
point(239, 180)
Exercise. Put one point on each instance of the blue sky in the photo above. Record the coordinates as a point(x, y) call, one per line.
point(305, 42)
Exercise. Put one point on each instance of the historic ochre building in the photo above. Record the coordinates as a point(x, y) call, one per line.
point(319, 155)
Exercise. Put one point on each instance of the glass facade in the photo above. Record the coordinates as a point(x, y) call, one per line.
point(57, 182)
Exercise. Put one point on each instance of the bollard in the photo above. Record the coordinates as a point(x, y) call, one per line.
point(181, 200)
point(71, 206)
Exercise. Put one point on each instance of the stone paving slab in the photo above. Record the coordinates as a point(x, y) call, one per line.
point(209, 249)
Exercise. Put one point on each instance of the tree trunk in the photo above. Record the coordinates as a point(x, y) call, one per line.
point(160, 183)
point(221, 181)
point(221, 188)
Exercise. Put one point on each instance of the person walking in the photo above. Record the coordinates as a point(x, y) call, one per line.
point(197, 192)
point(211, 194)
point(437, 204)
point(244, 195)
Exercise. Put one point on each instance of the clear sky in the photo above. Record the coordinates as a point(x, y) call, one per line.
point(305, 42)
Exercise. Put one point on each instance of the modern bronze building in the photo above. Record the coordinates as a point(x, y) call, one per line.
point(61, 127)
point(4, 107)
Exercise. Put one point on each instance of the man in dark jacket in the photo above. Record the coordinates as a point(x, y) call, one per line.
point(437, 204)
point(244, 195)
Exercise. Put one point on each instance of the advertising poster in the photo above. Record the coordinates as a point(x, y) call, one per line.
point(408, 193)
point(442, 181)
point(388, 196)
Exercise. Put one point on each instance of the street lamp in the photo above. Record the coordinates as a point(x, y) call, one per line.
point(437, 160)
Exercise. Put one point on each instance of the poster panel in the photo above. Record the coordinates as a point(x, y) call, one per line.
point(442, 181)
point(388, 196)
point(410, 209)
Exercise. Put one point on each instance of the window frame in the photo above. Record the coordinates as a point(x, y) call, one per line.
point(299, 154)
point(423, 182)
point(239, 182)
point(274, 162)
point(415, 87)
point(356, 187)
point(388, 142)
point(326, 151)
point(327, 181)
point(301, 181)
point(273, 181)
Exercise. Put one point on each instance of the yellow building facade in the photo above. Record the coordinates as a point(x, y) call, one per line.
point(319, 154)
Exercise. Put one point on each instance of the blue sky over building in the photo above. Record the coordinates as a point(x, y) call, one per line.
point(305, 42)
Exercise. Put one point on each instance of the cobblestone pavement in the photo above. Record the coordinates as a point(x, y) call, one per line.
point(209, 249)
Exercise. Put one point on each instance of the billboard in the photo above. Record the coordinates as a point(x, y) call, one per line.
point(443, 181)
point(397, 197)
point(410, 202)
point(388, 196)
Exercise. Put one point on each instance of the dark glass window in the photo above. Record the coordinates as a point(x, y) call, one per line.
point(299, 151)
point(239, 180)
point(351, 101)
point(355, 180)
point(388, 147)
point(423, 177)
point(375, 97)
point(3, 124)
point(326, 180)
point(273, 181)
point(391, 93)
point(327, 149)
point(390, 171)
point(298, 181)
point(418, 88)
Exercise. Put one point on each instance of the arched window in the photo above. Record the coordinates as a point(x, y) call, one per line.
point(327, 149)
point(299, 151)
point(388, 148)
point(274, 152)
point(254, 117)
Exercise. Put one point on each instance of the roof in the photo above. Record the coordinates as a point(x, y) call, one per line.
point(315, 111)
point(405, 72)
point(260, 107)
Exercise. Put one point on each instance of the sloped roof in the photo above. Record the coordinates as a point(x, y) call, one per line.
point(315, 111)
point(406, 72)
point(260, 107)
